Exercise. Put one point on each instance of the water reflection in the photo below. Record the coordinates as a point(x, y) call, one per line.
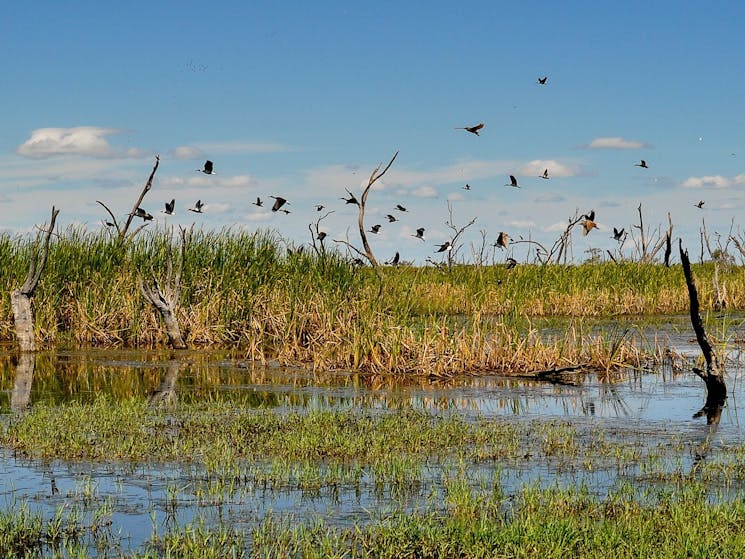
point(163, 376)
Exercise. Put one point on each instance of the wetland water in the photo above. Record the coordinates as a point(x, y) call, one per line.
point(641, 411)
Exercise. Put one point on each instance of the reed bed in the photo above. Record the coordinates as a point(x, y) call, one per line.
point(245, 290)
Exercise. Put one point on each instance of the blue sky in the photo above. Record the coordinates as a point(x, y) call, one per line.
point(303, 100)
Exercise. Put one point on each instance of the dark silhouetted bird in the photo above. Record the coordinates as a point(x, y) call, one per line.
point(542, 80)
point(588, 225)
point(419, 233)
point(278, 202)
point(351, 199)
point(545, 174)
point(590, 216)
point(391, 218)
point(617, 235)
point(285, 211)
point(169, 207)
point(400, 208)
point(643, 164)
point(394, 261)
point(700, 204)
point(258, 202)
point(472, 129)
point(321, 235)
point(510, 263)
point(513, 182)
point(467, 187)
point(139, 212)
point(502, 240)
point(319, 207)
point(197, 207)
point(445, 247)
point(375, 229)
point(207, 170)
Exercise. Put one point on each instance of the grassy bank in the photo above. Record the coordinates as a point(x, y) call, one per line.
point(245, 290)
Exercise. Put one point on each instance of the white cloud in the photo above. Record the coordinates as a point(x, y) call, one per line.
point(615, 142)
point(86, 141)
point(555, 169)
point(186, 152)
point(425, 192)
point(713, 181)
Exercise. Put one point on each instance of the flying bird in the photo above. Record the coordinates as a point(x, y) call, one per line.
point(467, 187)
point(197, 207)
point(502, 240)
point(545, 174)
point(510, 263)
point(278, 202)
point(643, 164)
point(590, 216)
point(617, 235)
point(139, 212)
point(319, 207)
point(351, 199)
point(391, 218)
point(207, 170)
point(419, 233)
point(542, 80)
point(445, 247)
point(472, 129)
point(700, 204)
point(394, 260)
point(375, 229)
point(258, 202)
point(169, 207)
point(285, 211)
point(513, 182)
point(588, 225)
point(400, 208)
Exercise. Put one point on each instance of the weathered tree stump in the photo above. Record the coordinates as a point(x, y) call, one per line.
point(165, 300)
point(20, 299)
point(713, 375)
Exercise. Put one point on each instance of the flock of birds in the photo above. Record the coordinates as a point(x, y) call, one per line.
point(502, 240)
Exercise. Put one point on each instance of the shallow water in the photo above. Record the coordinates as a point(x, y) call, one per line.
point(653, 408)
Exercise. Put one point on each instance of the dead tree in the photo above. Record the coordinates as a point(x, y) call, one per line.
point(457, 232)
point(374, 177)
point(648, 247)
point(20, 299)
point(123, 229)
point(165, 299)
point(713, 376)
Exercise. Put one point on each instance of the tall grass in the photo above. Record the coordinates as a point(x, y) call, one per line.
point(245, 290)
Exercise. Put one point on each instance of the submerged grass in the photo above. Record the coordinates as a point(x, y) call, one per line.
point(244, 290)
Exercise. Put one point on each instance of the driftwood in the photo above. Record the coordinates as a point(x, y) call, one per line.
point(165, 299)
point(713, 376)
point(20, 299)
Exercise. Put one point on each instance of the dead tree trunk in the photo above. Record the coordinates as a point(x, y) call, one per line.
point(374, 177)
point(20, 299)
point(165, 300)
point(713, 377)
